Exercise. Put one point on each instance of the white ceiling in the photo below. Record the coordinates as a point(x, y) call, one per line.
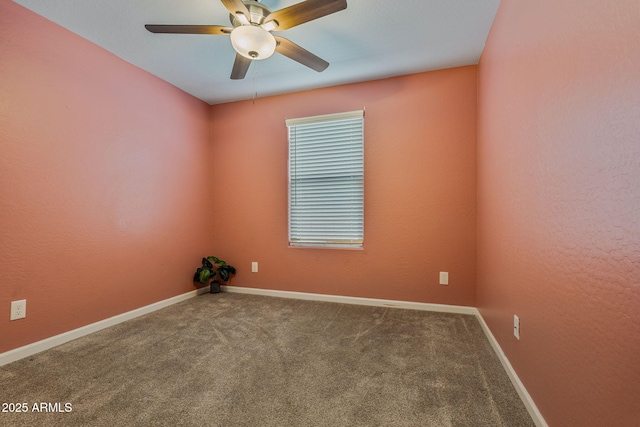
point(369, 40)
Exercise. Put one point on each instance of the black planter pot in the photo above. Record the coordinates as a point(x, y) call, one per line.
point(215, 287)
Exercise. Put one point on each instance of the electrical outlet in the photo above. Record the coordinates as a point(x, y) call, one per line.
point(18, 309)
point(254, 267)
point(444, 278)
point(516, 326)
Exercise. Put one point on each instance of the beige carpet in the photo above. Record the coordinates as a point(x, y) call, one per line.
point(244, 360)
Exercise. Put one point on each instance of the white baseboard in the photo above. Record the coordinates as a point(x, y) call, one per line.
point(515, 380)
point(459, 309)
point(37, 347)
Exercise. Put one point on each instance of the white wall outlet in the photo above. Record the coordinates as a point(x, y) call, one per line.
point(18, 309)
point(516, 326)
point(444, 278)
point(254, 267)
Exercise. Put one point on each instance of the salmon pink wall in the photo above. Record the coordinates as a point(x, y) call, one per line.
point(559, 203)
point(105, 183)
point(420, 187)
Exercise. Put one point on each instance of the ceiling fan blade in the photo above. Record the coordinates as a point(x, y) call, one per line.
point(291, 50)
point(189, 29)
point(235, 7)
point(304, 12)
point(240, 67)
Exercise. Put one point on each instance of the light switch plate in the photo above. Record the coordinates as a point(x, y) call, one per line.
point(444, 278)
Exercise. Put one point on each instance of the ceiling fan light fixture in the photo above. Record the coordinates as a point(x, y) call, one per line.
point(253, 42)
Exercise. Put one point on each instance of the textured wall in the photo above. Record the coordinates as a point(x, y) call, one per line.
point(559, 203)
point(105, 182)
point(420, 185)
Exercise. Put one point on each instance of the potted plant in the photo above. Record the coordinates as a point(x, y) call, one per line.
point(210, 266)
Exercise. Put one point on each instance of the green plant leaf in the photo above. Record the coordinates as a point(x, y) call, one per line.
point(206, 263)
point(205, 274)
point(225, 272)
point(216, 261)
point(196, 276)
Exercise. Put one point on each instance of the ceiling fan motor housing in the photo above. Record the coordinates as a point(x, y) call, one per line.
point(257, 13)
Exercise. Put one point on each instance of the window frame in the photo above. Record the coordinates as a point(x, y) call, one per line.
point(347, 211)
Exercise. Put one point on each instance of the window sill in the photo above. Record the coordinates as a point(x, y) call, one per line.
point(343, 248)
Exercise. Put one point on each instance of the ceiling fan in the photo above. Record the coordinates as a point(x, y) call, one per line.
point(252, 23)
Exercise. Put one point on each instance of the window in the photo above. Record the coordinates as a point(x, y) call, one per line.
point(326, 180)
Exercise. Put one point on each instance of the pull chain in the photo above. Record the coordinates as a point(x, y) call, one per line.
point(255, 73)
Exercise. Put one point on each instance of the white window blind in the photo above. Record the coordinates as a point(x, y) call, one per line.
point(326, 180)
